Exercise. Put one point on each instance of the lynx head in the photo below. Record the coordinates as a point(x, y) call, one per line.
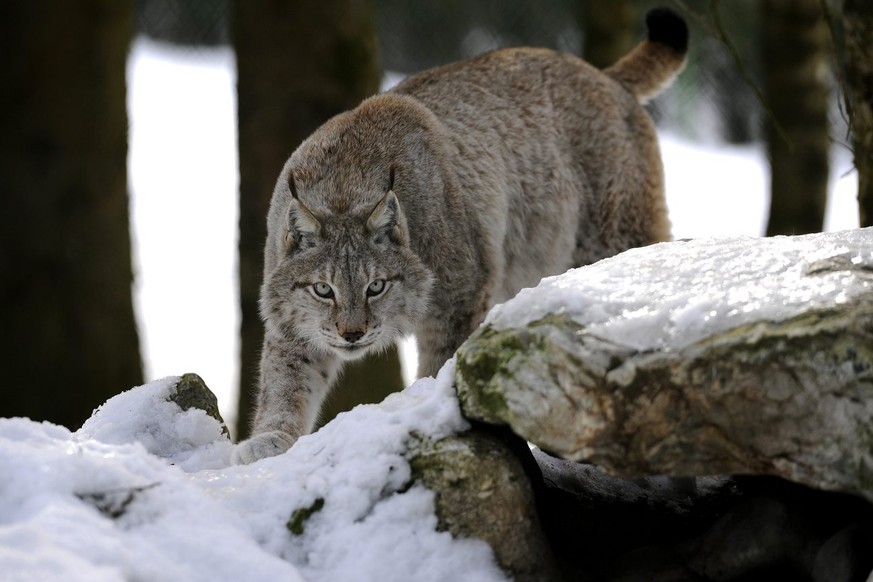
point(344, 281)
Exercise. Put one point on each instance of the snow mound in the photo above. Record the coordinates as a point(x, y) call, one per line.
point(190, 439)
point(144, 491)
point(649, 299)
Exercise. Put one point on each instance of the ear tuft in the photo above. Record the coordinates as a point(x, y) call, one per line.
point(302, 227)
point(386, 221)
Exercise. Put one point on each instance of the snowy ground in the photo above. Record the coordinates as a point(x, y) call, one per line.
point(184, 184)
point(143, 491)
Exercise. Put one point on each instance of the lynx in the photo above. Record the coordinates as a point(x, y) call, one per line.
point(426, 205)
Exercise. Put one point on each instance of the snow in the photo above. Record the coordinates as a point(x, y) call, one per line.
point(144, 491)
point(671, 295)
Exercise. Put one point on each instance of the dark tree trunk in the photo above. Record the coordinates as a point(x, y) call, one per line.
point(298, 64)
point(795, 59)
point(858, 38)
point(68, 339)
point(608, 30)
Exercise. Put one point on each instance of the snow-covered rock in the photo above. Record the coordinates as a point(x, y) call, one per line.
point(145, 491)
point(175, 418)
point(712, 356)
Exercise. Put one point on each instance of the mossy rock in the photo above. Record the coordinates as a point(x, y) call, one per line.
point(482, 492)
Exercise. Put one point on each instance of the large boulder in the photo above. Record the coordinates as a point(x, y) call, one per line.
point(738, 356)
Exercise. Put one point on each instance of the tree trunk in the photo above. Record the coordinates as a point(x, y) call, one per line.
point(68, 340)
point(795, 61)
point(858, 38)
point(298, 64)
point(608, 30)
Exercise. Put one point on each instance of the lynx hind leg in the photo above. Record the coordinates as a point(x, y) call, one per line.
point(631, 209)
point(432, 357)
point(653, 199)
point(439, 336)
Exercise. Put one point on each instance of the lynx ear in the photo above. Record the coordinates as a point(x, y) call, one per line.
point(386, 221)
point(302, 226)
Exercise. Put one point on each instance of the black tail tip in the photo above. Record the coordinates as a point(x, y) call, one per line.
point(667, 28)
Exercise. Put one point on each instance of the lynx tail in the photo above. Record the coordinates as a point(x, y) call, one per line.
point(653, 64)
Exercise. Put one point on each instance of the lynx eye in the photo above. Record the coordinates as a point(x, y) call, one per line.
point(376, 287)
point(323, 290)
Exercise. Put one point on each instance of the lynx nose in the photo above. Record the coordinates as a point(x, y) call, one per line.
point(353, 336)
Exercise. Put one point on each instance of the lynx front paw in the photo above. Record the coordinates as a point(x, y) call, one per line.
point(260, 446)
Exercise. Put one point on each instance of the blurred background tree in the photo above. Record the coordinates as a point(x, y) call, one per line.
point(796, 55)
point(857, 30)
point(608, 30)
point(298, 64)
point(68, 339)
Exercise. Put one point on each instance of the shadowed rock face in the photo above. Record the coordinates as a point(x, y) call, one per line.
point(606, 528)
point(743, 356)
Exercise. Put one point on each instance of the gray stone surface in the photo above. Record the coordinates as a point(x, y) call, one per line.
point(191, 392)
point(787, 391)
